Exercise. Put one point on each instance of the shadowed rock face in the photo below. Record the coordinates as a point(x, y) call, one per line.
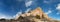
point(36, 15)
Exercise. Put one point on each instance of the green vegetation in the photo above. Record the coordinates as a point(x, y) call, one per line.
point(37, 16)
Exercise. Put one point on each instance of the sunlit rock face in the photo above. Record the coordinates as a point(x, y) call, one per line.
point(36, 12)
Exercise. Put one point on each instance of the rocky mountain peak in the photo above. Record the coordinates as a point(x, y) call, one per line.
point(36, 12)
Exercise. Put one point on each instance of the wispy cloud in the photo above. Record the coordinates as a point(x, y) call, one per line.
point(48, 12)
point(28, 10)
point(28, 3)
point(47, 2)
point(17, 15)
point(58, 7)
point(5, 16)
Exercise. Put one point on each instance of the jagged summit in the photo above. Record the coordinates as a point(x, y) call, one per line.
point(38, 11)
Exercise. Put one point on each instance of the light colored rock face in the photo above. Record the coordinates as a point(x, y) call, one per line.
point(26, 14)
point(37, 11)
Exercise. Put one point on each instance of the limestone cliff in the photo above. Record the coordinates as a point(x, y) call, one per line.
point(34, 14)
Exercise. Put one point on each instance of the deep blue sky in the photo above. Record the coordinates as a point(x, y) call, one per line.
point(9, 8)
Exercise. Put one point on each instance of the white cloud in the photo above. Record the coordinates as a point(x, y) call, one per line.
point(17, 15)
point(4, 16)
point(46, 2)
point(28, 3)
point(58, 7)
point(49, 11)
point(28, 10)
